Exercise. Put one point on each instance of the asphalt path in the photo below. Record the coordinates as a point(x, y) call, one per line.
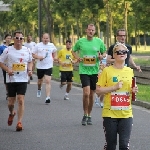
point(57, 126)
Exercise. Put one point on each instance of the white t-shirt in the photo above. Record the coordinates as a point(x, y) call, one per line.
point(29, 45)
point(17, 60)
point(46, 51)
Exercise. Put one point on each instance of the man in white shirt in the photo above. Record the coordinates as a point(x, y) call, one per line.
point(45, 53)
point(30, 44)
point(18, 67)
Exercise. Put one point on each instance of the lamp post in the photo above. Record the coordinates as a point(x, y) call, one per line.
point(125, 20)
point(39, 20)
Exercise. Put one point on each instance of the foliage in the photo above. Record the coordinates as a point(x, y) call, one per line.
point(70, 17)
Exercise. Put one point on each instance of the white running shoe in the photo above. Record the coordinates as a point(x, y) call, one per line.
point(39, 93)
point(48, 100)
point(66, 97)
point(102, 105)
point(97, 101)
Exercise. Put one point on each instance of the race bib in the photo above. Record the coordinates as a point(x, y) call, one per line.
point(18, 67)
point(89, 60)
point(66, 65)
point(120, 100)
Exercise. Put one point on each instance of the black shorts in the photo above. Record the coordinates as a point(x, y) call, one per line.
point(4, 75)
point(16, 88)
point(66, 76)
point(89, 80)
point(42, 72)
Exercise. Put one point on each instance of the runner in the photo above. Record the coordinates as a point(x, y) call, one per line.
point(19, 62)
point(90, 52)
point(115, 84)
point(66, 60)
point(99, 99)
point(121, 37)
point(45, 53)
point(30, 44)
point(5, 44)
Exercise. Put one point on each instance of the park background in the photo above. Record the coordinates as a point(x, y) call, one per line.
point(67, 19)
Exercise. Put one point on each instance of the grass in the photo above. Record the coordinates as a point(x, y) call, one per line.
point(142, 95)
point(142, 62)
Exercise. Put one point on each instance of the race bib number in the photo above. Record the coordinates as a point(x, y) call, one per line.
point(89, 60)
point(120, 100)
point(66, 65)
point(18, 67)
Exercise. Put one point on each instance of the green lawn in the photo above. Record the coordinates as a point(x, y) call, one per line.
point(142, 62)
point(143, 93)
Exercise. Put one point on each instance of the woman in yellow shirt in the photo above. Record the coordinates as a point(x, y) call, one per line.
point(115, 83)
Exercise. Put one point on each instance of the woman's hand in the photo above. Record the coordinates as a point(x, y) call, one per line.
point(134, 89)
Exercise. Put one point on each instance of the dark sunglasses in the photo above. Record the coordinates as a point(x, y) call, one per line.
point(121, 52)
point(19, 38)
point(121, 35)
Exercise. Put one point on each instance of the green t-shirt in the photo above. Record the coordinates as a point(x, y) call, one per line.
point(89, 51)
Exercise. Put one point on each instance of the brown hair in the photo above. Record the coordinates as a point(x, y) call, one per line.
point(20, 32)
point(117, 32)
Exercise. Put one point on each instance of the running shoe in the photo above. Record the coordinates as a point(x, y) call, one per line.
point(29, 81)
point(97, 101)
point(61, 86)
point(47, 101)
point(84, 120)
point(7, 96)
point(39, 93)
point(19, 126)
point(66, 97)
point(10, 119)
point(102, 105)
point(89, 120)
point(31, 78)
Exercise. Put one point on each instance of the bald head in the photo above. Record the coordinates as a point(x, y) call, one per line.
point(45, 38)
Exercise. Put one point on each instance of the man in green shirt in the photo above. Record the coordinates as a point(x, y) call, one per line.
point(91, 51)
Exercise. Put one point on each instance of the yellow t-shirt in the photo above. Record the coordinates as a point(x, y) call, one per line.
point(117, 104)
point(64, 56)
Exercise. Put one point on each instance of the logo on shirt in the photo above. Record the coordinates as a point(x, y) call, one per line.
point(115, 79)
point(67, 56)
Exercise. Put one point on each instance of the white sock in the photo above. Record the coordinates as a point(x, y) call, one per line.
point(66, 94)
point(47, 97)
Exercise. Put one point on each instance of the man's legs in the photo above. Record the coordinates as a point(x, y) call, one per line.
point(11, 103)
point(39, 83)
point(18, 88)
point(86, 95)
point(91, 100)
point(20, 111)
point(47, 87)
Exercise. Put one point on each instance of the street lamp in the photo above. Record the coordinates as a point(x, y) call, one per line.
point(39, 20)
point(125, 20)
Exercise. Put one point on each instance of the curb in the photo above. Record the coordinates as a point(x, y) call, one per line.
point(137, 102)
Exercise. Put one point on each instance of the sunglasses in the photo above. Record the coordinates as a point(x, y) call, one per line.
point(19, 38)
point(121, 35)
point(121, 52)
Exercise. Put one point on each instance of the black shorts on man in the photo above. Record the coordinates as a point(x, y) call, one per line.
point(66, 76)
point(16, 88)
point(42, 72)
point(89, 80)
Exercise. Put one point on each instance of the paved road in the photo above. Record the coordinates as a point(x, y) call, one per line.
point(58, 126)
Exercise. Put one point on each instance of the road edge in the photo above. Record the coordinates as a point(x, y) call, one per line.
point(137, 102)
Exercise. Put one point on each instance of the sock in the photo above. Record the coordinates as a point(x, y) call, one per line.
point(66, 94)
point(47, 97)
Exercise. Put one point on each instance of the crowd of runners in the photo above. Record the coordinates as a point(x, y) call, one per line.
point(105, 76)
